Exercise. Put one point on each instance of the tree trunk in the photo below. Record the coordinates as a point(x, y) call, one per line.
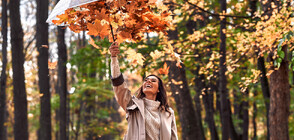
point(265, 90)
point(19, 90)
point(245, 116)
point(254, 117)
point(225, 108)
point(43, 72)
point(62, 81)
point(181, 93)
point(3, 109)
point(209, 116)
point(280, 101)
point(88, 116)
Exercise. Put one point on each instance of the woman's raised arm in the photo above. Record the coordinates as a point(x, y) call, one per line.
point(122, 93)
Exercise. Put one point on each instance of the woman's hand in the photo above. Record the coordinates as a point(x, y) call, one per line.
point(114, 51)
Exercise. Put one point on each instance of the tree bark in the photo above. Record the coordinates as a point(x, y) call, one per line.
point(225, 108)
point(254, 118)
point(181, 93)
point(280, 101)
point(3, 109)
point(62, 81)
point(43, 72)
point(265, 90)
point(19, 90)
point(245, 116)
point(209, 116)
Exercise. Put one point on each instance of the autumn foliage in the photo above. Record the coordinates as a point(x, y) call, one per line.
point(120, 20)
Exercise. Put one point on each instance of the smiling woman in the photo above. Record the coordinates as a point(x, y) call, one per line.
point(149, 115)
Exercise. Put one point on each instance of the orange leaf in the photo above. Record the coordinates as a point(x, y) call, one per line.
point(123, 35)
point(45, 46)
point(164, 70)
point(98, 29)
point(62, 18)
point(92, 42)
point(52, 65)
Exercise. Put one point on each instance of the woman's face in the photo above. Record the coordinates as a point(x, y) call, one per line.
point(150, 85)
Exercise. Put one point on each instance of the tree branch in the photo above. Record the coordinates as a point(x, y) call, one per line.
point(217, 15)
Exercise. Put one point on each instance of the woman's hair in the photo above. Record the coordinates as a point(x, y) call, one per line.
point(161, 95)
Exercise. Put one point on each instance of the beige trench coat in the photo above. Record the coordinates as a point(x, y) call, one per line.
point(134, 108)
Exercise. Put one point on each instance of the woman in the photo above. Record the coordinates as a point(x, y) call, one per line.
point(149, 115)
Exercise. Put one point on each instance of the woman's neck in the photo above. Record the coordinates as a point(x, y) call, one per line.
point(150, 96)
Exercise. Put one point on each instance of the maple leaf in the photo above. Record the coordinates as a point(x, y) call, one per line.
point(98, 29)
point(101, 14)
point(164, 70)
point(134, 57)
point(156, 54)
point(52, 65)
point(92, 42)
point(123, 35)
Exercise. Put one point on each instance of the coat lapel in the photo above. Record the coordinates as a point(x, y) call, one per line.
point(140, 105)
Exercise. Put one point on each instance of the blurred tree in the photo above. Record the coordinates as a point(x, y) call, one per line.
point(62, 83)
point(43, 72)
point(19, 89)
point(3, 108)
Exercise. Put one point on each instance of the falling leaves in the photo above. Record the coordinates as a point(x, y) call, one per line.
point(92, 42)
point(52, 65)
point(164, 70)
point(45, 46)
point(134, 57)
point(156, 54)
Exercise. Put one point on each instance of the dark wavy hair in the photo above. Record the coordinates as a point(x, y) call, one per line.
point(161, 95)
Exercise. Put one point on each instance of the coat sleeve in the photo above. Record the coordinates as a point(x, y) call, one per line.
point(174, 135)
point(122, 93)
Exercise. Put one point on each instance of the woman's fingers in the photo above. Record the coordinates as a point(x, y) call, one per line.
point(114, 50)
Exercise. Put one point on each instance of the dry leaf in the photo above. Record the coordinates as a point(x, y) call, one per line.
point(164, 70)
point(52, 65)
point(45, 46)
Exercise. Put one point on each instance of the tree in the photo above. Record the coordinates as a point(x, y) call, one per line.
point(19, 89)
point(62, 83)
point(43, 72)
point(179, 86)
point(280, 100)
point(225, 108)
point(3, 79)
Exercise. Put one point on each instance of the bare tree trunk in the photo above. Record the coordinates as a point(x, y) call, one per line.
point(245, 116)
point(209, 117)
point(225, 113)
point(280, 101)
point(254, 118)
point(181, 93)
point(62, 75)
point(43, 72)
point(3, 108)
point(19, 89)
point(265, 90)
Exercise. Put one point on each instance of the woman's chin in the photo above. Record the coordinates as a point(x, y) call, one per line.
point(148, 92)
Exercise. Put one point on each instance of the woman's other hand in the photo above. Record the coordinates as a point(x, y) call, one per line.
point(114, 50)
